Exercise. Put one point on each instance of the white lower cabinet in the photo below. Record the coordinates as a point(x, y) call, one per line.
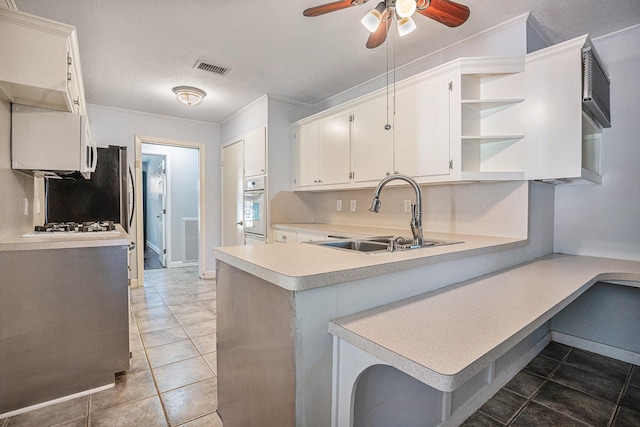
point(280, 236)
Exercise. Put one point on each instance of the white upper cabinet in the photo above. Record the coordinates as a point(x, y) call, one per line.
point(40, 63)
point(323, 151)
point(422, 125)
point(371, 141)
point(255, 152)
point(472, 119)
point(563, 141)
point(487, 119)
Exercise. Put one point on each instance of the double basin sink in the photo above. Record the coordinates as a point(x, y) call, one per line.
point(380, 244)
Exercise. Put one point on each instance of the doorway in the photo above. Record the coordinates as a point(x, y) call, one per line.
point(183, 226)
point(154, 208)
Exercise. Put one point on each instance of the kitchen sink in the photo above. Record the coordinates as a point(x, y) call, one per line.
point(373, 245)
point(355, 245)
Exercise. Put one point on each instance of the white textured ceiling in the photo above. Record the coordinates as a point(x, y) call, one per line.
point(134, 52)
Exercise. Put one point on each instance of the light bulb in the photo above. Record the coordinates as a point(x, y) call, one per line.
point(405, 8)
point(405, 26)
point(372, 19)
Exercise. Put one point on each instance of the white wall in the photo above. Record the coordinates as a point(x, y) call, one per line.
point(253, 116)
point(119, 127)
point(604, 220)
point(14, 186)
point(506, 39)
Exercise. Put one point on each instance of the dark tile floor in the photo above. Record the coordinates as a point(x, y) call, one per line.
point(564, 386)
point(151, 259)
point(172, 379)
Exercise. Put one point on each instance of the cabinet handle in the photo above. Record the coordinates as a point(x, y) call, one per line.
point(396, 172)
point(388, 173)
point(69, 76)
point(284, 237)
point(240, 223)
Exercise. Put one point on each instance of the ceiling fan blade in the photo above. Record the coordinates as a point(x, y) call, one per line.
point(330, 7)
point(380, 35)
point(446, 12)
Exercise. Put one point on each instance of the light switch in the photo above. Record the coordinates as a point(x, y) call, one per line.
point(353, 206)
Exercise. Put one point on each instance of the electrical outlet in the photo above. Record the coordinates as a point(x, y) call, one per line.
point(407, 205)
point(353, 206)
point(338, 205)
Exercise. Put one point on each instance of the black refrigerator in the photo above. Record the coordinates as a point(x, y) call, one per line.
point(103, 197)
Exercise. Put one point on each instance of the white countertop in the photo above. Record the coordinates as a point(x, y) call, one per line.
point(299, 267)
point(65, 241)
point(445, 337)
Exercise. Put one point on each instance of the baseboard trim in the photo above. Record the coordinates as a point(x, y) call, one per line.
point(54, 401)
point(208, 274)
point(595, 347)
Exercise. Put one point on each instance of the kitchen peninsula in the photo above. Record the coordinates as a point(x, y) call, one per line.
point(275, 301)
point(64, 316)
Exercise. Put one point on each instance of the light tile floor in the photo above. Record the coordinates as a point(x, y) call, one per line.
point(172, 379)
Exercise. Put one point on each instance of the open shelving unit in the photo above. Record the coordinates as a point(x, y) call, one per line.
point(489, 125)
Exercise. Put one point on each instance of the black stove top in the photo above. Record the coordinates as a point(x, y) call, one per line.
point(73, 227)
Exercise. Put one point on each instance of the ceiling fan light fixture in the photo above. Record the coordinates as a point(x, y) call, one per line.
point(189, 95)
point(405, 26)
point(372, 19)
point(405, 8)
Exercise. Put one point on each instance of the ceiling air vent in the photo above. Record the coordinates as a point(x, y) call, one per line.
point(217, 69)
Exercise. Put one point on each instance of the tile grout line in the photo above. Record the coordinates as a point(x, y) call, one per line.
point(153, 376)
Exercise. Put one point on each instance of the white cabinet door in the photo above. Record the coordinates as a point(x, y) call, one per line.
point(422, 126)
point(306, 154)
point(255, 149)
point(333, 150)
point(371, 143)
point(322, 151)
point(40, 65)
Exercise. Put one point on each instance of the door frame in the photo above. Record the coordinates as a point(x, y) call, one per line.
point(202, 256)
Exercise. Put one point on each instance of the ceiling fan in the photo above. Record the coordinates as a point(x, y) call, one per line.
point(378, 20)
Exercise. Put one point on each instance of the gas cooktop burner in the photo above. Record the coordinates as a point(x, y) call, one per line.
point(72, 227)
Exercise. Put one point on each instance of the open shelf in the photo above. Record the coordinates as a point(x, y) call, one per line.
point(487, 139)
point(483, 104)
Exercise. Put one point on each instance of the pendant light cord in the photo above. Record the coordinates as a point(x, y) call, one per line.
point(388, 125)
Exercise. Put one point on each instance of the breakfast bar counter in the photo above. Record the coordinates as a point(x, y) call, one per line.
point(298, 267)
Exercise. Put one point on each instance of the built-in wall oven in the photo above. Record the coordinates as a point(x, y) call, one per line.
point(254, 207)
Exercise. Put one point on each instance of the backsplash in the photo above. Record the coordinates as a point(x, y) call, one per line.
point(496, 209)
point(14, 186)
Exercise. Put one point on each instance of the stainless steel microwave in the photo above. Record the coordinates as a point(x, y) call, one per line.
point(596, 92)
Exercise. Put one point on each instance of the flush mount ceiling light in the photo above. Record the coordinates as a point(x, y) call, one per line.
point(189, 95)
point(378, 20)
